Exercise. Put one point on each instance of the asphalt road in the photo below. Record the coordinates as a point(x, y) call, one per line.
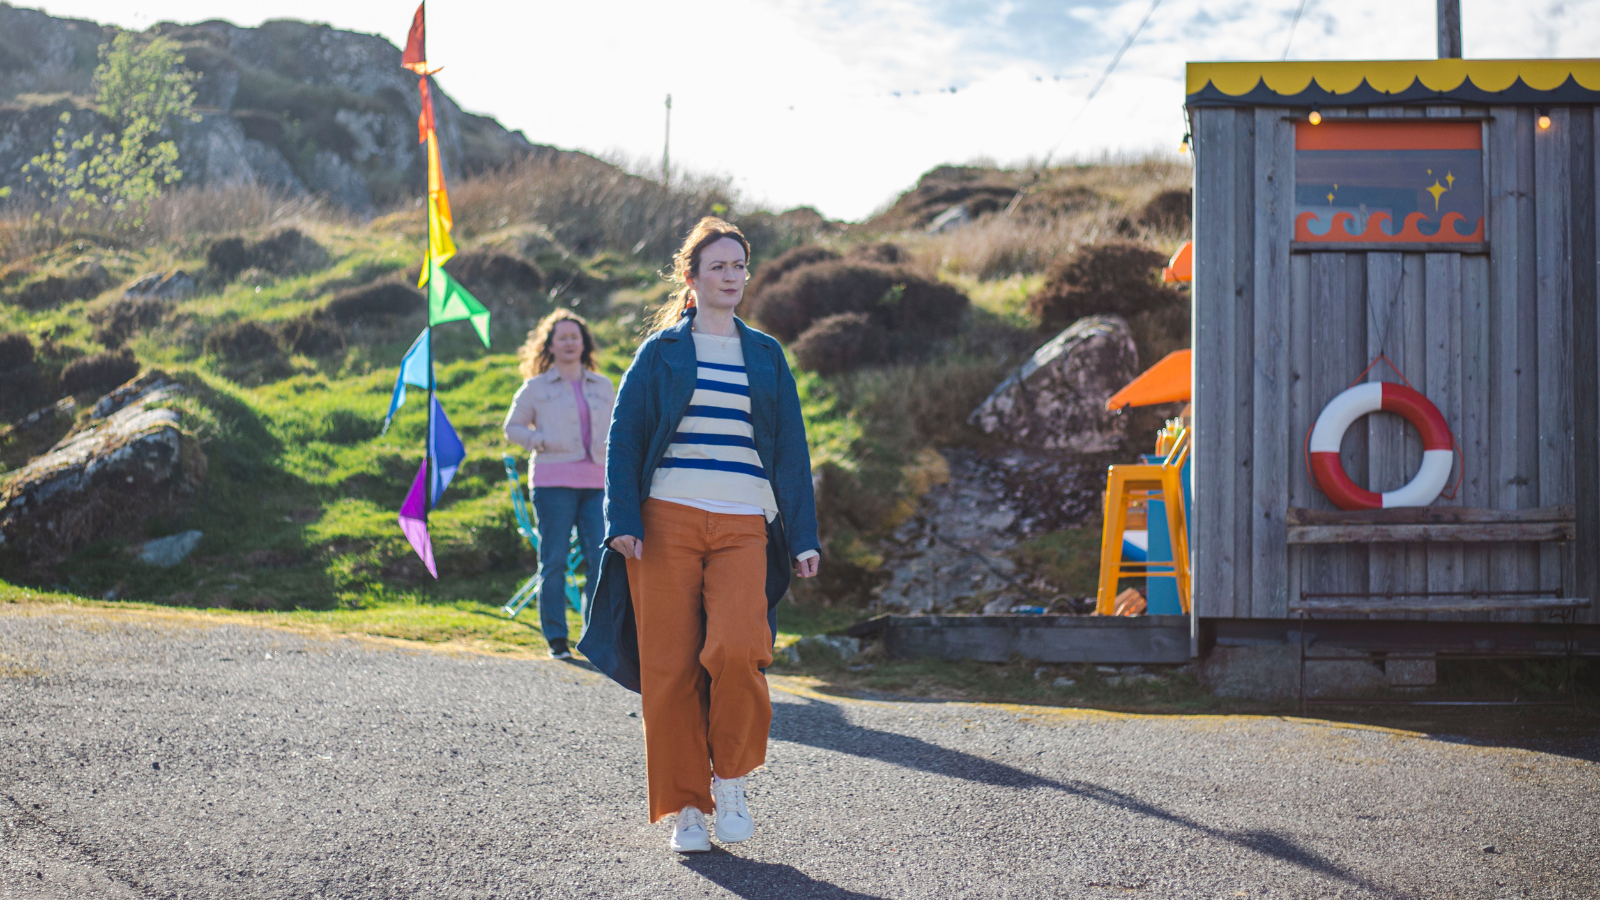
point(153, 756)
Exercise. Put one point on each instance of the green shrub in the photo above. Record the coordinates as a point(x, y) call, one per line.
point(99, 372)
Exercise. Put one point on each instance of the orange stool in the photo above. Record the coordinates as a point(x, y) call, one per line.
point(1124, 485)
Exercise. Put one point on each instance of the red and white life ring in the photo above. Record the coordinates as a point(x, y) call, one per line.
point(1438, 455)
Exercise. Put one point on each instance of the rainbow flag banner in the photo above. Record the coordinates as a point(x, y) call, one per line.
point(448, 301)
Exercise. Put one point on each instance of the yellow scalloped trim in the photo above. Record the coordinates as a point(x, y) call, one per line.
point(1392, 76)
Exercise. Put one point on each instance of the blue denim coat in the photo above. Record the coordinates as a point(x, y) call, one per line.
point(654, 396)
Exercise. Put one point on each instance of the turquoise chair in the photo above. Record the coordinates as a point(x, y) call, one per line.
point(530, 533)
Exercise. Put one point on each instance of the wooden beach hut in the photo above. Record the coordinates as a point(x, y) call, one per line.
point(1440, 214)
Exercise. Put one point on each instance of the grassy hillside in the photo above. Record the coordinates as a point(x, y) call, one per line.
point(290, 359)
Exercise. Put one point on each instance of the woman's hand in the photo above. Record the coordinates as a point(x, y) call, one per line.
point(629, 546)
point(807, 568)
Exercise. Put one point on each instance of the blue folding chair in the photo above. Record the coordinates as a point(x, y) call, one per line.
point(530, 533)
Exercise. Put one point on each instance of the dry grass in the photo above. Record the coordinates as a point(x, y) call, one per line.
point(28, 226)
point(1062, 209)
point(588, 204)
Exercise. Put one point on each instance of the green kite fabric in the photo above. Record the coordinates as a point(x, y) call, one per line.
point(448, 301)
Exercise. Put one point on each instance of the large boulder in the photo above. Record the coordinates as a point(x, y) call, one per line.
point(1057, 399)
point(129, 462)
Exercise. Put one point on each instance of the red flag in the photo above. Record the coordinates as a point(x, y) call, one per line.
point(425, 120)
point(416, 56)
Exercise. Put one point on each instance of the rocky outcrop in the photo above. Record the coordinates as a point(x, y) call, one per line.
point(129, 462)
point(300, 107)
point(955, 553)
point(1057, 399)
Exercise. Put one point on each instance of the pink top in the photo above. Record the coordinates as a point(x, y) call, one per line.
point(585, 473)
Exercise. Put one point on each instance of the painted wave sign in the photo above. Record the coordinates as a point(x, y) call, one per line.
point(1355, 180)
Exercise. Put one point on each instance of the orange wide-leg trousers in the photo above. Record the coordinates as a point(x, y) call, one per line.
point(699, 596)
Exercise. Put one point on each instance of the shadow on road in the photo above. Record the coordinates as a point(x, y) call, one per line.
point(764, 881)
point(823, 725)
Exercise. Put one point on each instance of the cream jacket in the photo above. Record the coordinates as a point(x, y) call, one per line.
point(544, 418)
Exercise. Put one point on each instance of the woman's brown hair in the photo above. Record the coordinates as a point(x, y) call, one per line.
point(686, 262)
point(535, 352)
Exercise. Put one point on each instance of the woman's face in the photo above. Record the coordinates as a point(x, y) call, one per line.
point(719, 284)
point(566, 342)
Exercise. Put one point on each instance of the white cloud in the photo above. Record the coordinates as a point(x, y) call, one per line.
point(795, 98)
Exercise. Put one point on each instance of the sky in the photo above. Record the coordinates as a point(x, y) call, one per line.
point(842, 104)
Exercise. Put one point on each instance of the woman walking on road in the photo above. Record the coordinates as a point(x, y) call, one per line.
point(560, 414)
point(709, 507)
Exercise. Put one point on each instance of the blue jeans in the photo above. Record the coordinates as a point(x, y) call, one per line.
point(558, 510)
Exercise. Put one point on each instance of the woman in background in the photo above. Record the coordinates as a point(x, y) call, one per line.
point(709, 508)
point(561, 414)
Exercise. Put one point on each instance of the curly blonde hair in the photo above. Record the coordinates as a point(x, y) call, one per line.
point(535, 354)
point(686, 261)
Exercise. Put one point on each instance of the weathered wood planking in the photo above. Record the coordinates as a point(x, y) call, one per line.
point(1241, 362)
point(1442, 330)
point(1508, 158)
point(1553, 273)
point(1377, 605)
point(1302, 492)
point(1385, 313)
point(1453, 534)
point(1586, 353)
point(1430, 515)
point(1472, 432)
point(1223, 333)
point(1271, 448)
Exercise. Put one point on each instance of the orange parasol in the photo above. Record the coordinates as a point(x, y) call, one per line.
point(1181, 268)
point(1168, 381)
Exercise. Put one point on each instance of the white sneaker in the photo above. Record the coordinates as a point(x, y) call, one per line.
point(733, 815)
point(689, 831)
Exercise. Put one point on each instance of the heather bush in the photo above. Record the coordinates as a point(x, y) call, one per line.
point(99, 372)
point(124, 317)
point(285, 252)
point(908, 305)
point(380, 299)
point(15, 350)
point(769, 273)
point(882, 252)
point(1118, 278)
point(1168, 211)
point(842, 343)
point(241, 341)
point(311, 336)
point(483, 272)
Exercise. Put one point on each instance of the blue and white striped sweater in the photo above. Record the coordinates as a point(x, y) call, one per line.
point(713, 453)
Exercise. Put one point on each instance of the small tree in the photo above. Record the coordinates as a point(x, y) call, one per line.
point(139, 88)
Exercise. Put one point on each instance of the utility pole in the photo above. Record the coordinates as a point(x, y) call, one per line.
point(666, 146)
point(1449, 29)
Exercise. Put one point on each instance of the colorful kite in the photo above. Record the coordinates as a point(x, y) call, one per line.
point(448, 301)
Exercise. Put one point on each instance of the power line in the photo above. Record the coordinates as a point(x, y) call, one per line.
point(1292, 25)
point(1089, 98)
